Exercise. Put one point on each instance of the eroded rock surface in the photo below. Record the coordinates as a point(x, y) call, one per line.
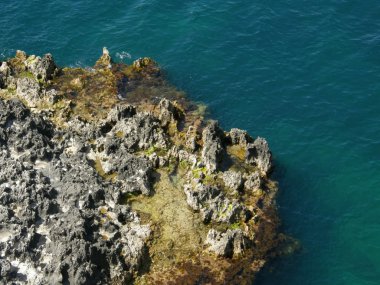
point(213, 148)
point(110, 176)
point(60, 222)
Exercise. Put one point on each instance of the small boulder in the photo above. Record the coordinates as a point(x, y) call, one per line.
point(200, 195)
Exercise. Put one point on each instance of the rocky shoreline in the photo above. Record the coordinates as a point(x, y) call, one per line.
point(109, 175)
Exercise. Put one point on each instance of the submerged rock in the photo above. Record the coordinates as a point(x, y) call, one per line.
point(74, 159)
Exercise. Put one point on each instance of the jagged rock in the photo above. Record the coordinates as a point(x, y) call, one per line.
point(142, 131)
point(52, 96)
point(233, 180)
point(258, 153)
point(21, 55)
point(168, 112)
point(50, 201)
point(105, 61)
point(137, 130)
point(201, 194)
point(25, 133)
point(213, 149)
point(43, 68)
point(228, 244)
point(5, 73)
point(119, 113)
point(136, 172)
point(253, 182)
point(29, 90)
point(239, 137)
point(5, 268)
point(212, 204)
point(191, 139)
point(187, 159)
point(147, 67)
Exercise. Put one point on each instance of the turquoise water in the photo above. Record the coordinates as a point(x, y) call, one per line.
point(303, 74)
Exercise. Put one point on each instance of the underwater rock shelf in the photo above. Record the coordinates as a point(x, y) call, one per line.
point(109, 175)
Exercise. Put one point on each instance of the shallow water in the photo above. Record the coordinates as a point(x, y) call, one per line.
point(303, 74)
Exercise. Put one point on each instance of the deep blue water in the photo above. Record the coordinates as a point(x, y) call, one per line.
point(303, 74)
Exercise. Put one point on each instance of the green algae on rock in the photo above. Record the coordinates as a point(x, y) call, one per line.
point(177, 199)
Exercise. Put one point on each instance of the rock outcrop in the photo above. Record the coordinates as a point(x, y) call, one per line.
point(258, 153)
point(60, 222)
point(43, 68)
point(213, 148)
point(101, 189)
point(227, 244)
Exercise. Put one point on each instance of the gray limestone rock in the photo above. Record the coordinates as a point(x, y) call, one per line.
point(5, 73)
point(120, 112)
point(141, 131)
point(213, 149)
point(233, 180)
point(253, 182)
point(239, 137)
point(258, 153)
point(60, 221)
point(191, 139)
point(227, 244)
point(212, 204)
point(43, 68)
point(136, 172)
point(5, 268)
point(168, 112)
point(29, 90)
